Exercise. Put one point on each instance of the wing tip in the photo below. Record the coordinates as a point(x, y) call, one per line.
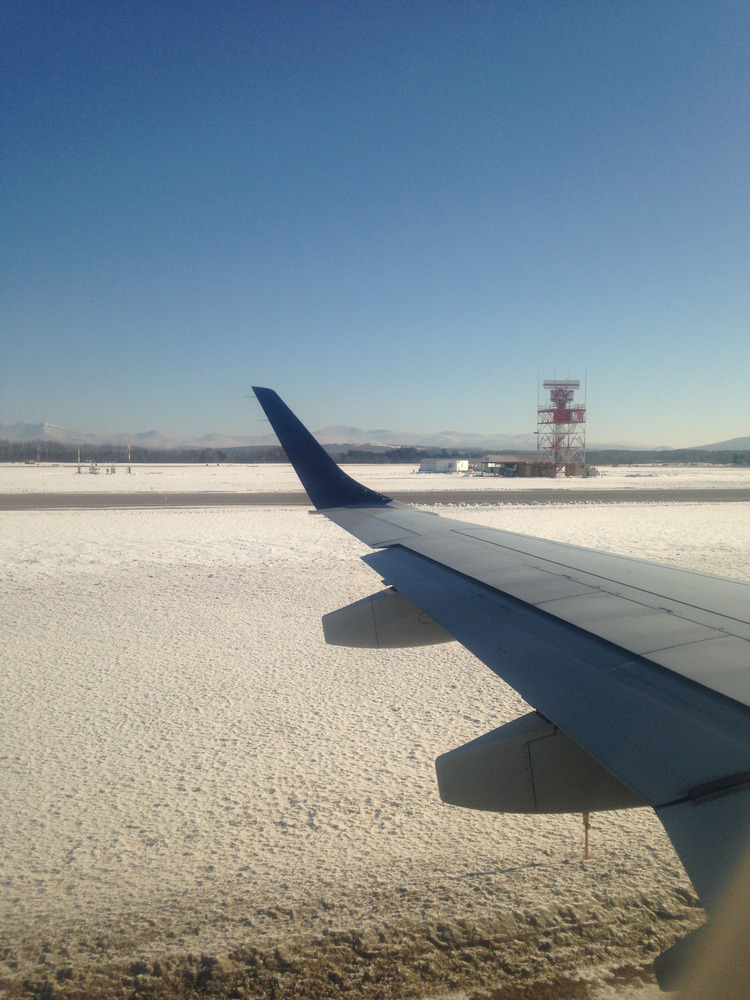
point(327, 485)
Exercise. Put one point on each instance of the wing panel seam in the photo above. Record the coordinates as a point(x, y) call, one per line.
point(595, 575)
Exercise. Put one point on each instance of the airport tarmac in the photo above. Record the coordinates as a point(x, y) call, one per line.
point(123, 501)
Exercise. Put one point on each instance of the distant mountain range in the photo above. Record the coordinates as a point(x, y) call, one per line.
point(339, 435)
point(733, 444)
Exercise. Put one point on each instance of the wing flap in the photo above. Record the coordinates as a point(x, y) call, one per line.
point(528, 766)
point(647, 725)
point(584, 588)
point(629, 623)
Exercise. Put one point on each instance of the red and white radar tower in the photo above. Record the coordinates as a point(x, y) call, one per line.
point(561, 428)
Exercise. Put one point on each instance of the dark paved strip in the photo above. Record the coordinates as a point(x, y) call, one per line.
point(105, 501)
point(576, 496)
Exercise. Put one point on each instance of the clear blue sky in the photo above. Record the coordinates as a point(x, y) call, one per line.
point(397, 214)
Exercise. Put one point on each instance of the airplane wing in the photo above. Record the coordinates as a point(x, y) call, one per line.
point(639, 674)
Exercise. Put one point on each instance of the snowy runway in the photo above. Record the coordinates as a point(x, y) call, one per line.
point(181, 752)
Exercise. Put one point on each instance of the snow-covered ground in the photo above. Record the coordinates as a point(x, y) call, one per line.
point(188, 769)
point(47, 478)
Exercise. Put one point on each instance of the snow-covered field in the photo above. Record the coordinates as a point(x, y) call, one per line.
point(194, 784)
point(15, 478)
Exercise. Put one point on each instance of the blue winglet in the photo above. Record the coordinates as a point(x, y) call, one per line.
point(327, 485)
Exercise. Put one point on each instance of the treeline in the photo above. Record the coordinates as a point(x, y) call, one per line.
point(392, 456)
point(108, 454)
point(103, 454)
point(678, 456)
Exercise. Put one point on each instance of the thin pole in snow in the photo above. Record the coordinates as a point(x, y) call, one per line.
point(586, 825)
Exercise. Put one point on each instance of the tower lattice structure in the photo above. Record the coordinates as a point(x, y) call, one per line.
point(561, 426)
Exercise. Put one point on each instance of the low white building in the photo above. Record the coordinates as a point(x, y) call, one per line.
point(444, 465)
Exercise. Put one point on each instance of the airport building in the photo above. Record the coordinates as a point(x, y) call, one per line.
point(444, 465)
point(515, 465)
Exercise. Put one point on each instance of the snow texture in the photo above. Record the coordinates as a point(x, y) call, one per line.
point(188, 768)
